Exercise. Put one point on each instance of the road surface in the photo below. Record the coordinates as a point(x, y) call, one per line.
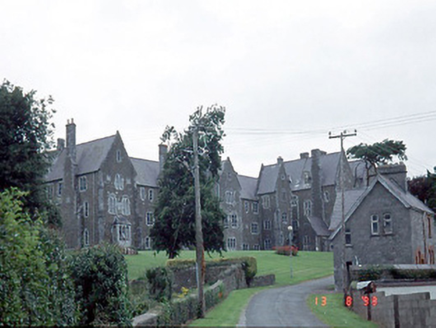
point(284, 306)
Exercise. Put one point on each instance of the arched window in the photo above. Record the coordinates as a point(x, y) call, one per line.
point(112, 202)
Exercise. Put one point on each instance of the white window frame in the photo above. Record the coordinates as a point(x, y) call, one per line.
point(119, 182)
point(266, 224)
point(307, 208)
point(255, 207)
point(85, 209)
point(231, 243)
point(256, 247)
point(142, 193)
point(375, 222)
point(85, 237)
point(266, 203)
point(246, 206)
point(245, 247)
point(125, 209)
point(387, 220)
point(124, 233)
point(149, 218)
point(83, 184)
point(229, 197)
point(234, 220)
point(150, 195)
point(285, 218)
point(267, 244)
point(147, 242)
point(254, 228)
point(294, 200)
point(112, 204)
point(226, 222)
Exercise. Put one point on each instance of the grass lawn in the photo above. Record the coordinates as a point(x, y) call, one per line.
point(334, 314)
point(305, 266)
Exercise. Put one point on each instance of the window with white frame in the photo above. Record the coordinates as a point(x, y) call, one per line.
point(254, 228)
point(119, 182)
point(387, 223)
point(294, 200)
point(123, 232)
point(307, 207)
point(306, 177)
point(265, 201)
point(245, 247)
point(226, 222)
point(125, 210)
point(285, 218)
point(246, 206)
point(82, 183)
point(348, 236)
point(375, 225)
point(112, 202)
point(142, 192)
point(267, 243)
point(86, 237)
point(234, 220)
point(149, 218)
point(256, 247)
point(267, 225)
point(150, 195)
point(229, 197)
point(231, 243)
point(85, 209)
point(255, 207)
point(147, 242)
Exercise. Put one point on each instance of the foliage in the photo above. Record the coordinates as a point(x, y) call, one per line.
point(286, 250)
point(25, 137)
point(379, 152)
point(370, 272)
point(100, 277)
point(174, 227)
point(160, 283)
point(35, 287)
point(424, 188)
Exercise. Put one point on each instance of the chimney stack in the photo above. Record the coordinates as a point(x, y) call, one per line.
point(60, 145)
point(304, 155)
point(279, 160)
point(71, 139)
point(163, 150)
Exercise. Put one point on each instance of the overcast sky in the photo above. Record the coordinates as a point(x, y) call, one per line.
point(288, 72)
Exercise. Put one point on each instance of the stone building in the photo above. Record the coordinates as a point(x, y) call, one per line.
point(384, 224)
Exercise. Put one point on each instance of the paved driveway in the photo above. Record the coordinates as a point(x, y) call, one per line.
point(284, 306)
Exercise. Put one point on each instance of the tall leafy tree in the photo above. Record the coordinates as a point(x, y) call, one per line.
point(424, 188)
point(25, 137)
point(174, 227)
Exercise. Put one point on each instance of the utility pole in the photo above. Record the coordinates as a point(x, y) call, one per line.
point(200, 265)
point(343, 135)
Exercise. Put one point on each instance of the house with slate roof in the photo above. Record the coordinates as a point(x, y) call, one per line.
point(102, 194)
point(384, 224)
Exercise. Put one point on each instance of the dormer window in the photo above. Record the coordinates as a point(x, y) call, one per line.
point(306, 177)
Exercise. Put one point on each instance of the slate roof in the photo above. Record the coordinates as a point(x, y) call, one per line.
point(89, 157)
point(248, 187)
point(353, 201)
point(329, 166)
point(147, 172)
point(319, 226)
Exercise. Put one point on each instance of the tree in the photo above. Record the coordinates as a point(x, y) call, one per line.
point(25, 137)
point(174, 227)
point(424, 188)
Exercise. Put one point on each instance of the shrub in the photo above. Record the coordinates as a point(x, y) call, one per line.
point(100, 277)
point(160, 283)
point(285, 250)
point(35, 287)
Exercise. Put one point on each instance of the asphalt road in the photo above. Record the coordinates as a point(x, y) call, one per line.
point(284, 306)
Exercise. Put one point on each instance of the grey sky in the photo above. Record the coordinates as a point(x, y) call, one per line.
point(288, 72)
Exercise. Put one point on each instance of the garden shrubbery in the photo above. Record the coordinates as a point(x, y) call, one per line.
point(286, 250)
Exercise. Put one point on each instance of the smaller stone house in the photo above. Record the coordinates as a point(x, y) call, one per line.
point(384, 224)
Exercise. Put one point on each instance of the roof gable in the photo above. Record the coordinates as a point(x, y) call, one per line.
point(147, 172)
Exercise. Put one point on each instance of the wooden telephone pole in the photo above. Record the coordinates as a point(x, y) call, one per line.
point(342, 136)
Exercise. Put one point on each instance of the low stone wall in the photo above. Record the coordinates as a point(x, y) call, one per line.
point(261, 281)
point(413, 310)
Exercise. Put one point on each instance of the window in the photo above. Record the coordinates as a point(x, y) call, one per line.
point(307, 208)
point(429, 222)
point(294, 200)
point(234, 220)
point(150, 195)
point(306, 177)
point(86, 237)
point(112, 201)
point(231, 243)
point(123, 232)
point(387, 223)
point(245, 247)
point(265, 201)
point(255, 207)
point(285, 218)
point(254, 228)
point(59, 188)
point(281, 239)
point(85, 209)
point(119, 156)
point(119, 182)
point(82, 184)
point(49, 191)
point(326, 196)
point(267, 243)
point(247, 206)
point(125, 209)
point(147, 242)
point(149, 218)
point(142, 193)
point(294, 226)
point(266, 225)
point(306, 242)
point(374, 225)
point(347, 237)
point(229, 197)
point(226, 222)
point(256, 247)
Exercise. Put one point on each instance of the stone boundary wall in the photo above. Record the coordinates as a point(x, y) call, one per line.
point(412, 310)
point(261, 281)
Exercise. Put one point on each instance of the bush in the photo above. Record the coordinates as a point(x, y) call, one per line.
point(35, 287)
point(285, 250)
point(159, 283)
point(100, 277)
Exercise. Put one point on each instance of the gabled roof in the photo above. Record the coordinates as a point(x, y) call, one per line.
point(147, 172)
point(318, 226)
point(248, 187)
point(353, 201)
point(268, 179)
point(89, 158)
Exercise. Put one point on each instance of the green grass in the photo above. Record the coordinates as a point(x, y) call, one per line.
point(334, 314)
point(305, 266)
